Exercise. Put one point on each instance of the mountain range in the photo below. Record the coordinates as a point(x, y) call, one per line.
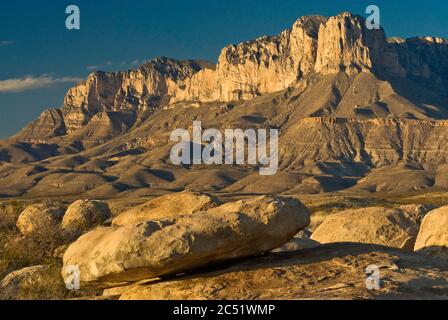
point(356, 112)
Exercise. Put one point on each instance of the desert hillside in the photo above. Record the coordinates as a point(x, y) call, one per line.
point(348, 102)
point(89, 188)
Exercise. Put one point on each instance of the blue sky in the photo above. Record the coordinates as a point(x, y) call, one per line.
point(116, 35)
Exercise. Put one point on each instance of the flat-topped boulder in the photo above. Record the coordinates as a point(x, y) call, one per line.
point(168, 206)
point(158, 248)
point(391, 227)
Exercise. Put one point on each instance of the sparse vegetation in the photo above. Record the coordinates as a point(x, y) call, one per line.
point(18, 252)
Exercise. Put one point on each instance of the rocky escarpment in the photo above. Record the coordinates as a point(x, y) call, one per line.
point(110, 103)
point(421, 57)
point(346, 45)
point(139, 89)
point(267, 64)
point(338, 92)
point(314, 45)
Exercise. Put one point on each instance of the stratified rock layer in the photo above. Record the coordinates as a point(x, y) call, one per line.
point(343, 97)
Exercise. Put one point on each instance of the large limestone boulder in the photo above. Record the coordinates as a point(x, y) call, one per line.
point(433, 236)
point(168, 206)
point(39, 218)
point(331, 271)
point(397, 227)
point(83, 215)
point(170, 246)
point(16, 281)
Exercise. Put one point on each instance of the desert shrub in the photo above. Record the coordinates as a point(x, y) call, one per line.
point(49, 287)
point(9, 213)
point(19, 251)
point(341, 204)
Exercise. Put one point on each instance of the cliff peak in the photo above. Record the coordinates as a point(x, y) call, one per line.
point(314, 46)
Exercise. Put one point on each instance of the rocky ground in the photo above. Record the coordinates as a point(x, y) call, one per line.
point(335, 271)
point(192, 245)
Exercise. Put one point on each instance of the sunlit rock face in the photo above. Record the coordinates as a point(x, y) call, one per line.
point(321, 68)
point(345, 44)
point(137, 90)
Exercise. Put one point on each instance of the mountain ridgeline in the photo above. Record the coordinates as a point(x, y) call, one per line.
point(347, 101)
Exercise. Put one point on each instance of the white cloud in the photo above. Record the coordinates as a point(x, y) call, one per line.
point(93, 68)
point(99, 66)
point(6, 43)
point(133, 63)
point(31, 83)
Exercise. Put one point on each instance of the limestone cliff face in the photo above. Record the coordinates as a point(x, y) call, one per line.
point(257, 67)
point(346, 100)
point(268, 64)
point(244, 71)
point(314, 45)
point(422, 57)
point(137, 90)
point(345, 44)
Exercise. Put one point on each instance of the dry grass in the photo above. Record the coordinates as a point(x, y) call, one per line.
point(49, 286)
point(18, 252)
